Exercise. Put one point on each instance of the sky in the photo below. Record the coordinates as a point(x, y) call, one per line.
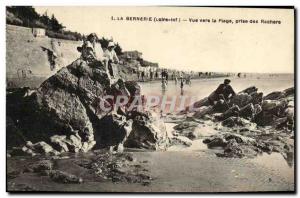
point(198, 46)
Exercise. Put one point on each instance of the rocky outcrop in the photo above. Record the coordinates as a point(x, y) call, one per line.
point(247, 126)
point(276, 109)
point(234, 145)
point(72, 111)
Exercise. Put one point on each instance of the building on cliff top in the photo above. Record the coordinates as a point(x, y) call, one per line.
point(132, 54)
point(38, 32)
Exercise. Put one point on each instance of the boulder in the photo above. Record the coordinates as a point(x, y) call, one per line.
point(186, 125)
point(216, 141)
point(116, 129)
point(238, 121)
point(232, 111)
point(73, 143)
point(256, 98)
point(200, 103)
point(249, 90)
point(180, 140)
point(189, 129)
point(257, 109)
point(236, 150)
point(289, 112)
point(22, 151)
point(234, 145)
point(274, 107)
point(202, 111)
point(64, 177)
point(42, 166)
point(276, 95)
point(241, 99)
point(41, 147)
point(86, 146)
point(239, 138)
point(247, 112)
point(289, 92)
point(58, 143)
point(148, 131)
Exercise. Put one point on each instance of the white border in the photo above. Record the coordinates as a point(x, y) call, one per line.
point(113, 2)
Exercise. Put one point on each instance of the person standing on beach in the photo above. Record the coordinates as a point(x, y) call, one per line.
point(181, 84)
point(143, 75)
point(151, 74)
point(164, 84)
point(138, 74)
point(162, 74)
point(156, 74)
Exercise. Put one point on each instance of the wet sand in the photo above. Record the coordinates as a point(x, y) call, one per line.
point(172, 171)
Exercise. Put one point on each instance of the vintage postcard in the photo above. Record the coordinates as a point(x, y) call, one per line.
point(150, 99)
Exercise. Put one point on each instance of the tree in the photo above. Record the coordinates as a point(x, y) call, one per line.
point(26, 13)
point(45, 19)
point(55, 25)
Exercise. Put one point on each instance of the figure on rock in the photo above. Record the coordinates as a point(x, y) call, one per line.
point(224, 92)
point(112, 57)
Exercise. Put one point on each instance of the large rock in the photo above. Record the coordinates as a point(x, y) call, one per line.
point(202, 111)
point(58, 142)
point(189, 129)
point(277, 95)
point(234, 145)
point(115, 131)
point(44, 165)
point(148, 131)
point(181, 140)
point(249, 90)
point(22, 151)
point(64, 177)
point(41, 147)
point(241, 99)
point(232, 111)
point(274, 95)
point(289, 92)
point(247, 112)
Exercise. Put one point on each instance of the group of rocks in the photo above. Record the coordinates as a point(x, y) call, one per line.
point(64, 115)
point(275, 109)
point(97, 166)
point(248, 124)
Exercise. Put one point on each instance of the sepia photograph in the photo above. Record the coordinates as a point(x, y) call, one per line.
point(150, 99)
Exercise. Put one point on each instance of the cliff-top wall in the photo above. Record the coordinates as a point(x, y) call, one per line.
point(26, 52)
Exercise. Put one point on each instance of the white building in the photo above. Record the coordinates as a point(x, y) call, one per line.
point(38, 32)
